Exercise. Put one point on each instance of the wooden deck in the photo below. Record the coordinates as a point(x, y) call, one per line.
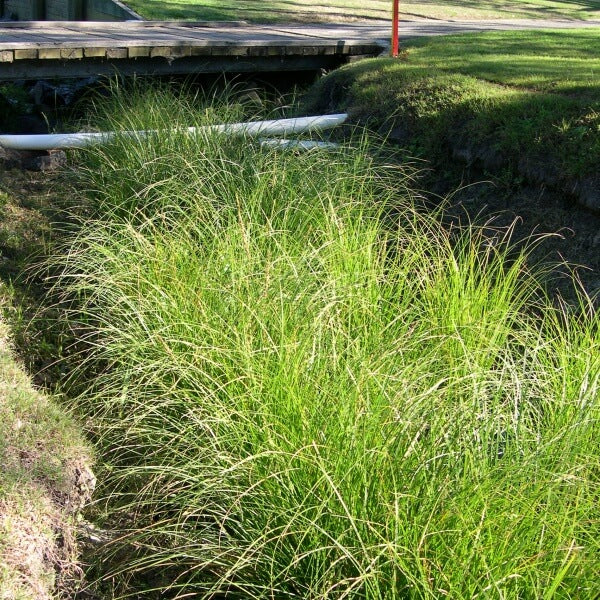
point(58, 49)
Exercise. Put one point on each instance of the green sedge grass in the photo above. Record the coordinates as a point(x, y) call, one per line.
point(305, 388)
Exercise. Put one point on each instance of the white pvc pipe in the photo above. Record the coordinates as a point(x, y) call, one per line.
point(81, 140)
point(298, 144)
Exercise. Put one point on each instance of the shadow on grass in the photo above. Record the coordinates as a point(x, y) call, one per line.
point(31, 219)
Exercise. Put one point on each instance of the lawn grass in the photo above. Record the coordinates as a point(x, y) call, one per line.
point(270, 11)
point(525, 103)
point(302, 387)
point(566, 62)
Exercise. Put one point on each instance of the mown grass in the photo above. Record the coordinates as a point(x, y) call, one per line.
point(565, 62)
point(348, 10)
point(526, 103)
point(304, 388)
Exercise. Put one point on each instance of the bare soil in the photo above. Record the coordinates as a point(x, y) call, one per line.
point(45, 480)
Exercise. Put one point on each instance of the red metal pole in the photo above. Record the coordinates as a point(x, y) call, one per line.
point(395, 20)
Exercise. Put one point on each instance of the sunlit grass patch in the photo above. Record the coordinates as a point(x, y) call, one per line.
point(348, 10)
point(548, 60)
point(526, 103)
point(303, 387)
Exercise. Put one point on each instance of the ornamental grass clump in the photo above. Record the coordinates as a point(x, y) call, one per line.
point(302, 387)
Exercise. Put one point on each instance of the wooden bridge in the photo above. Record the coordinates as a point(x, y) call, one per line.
point(60, 49)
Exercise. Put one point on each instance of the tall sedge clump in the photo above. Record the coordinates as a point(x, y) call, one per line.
point(303, 388)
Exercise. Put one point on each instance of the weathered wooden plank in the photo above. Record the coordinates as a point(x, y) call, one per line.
point(94, 52)
point(275, 50)
point(8, 41)
point(310, 50)
point(230, 50)
point(139, 51)
point(180, 51)
point(65, 49)
point(266, 50)
point(170, 51)
point(201, 50)
point(116, 53)
point(315, 50)
point(49, 35)
point(164, 36)
point(49, 53)
point(71, 53)
point(160, 52)
point(205, 35)
point(26, 54)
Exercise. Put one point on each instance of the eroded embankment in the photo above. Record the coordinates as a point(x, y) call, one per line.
point(544, 138)
point(45, 481)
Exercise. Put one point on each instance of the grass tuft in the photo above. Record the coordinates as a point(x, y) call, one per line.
point(304, 388)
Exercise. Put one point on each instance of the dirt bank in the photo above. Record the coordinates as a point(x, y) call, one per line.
point(45, 475)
